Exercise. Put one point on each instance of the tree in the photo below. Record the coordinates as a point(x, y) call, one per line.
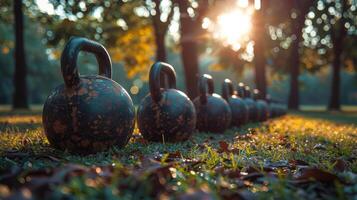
point(160, 29)
point(299, 9)
point(20, 93)
point(259, 37)
point(338, 36)
point(126, 33)
point(190, 29)
point(331, 33)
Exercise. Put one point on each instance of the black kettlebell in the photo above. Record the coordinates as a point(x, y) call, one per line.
point(252, 108)
point(166, 114)
point(87, 114)
point(237, 105)
point(262, 106)
point(276, 109)
point(213, 112)
point(272, 107)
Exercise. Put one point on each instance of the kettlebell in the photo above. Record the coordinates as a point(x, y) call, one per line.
point(213, 112)
point(91, 113)
point(237, 105)
point(276, 109)
point(262, 106)
point(272, 108)
point(252, 108)
point(165, 114)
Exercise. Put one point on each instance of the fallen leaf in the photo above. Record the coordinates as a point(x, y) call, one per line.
point(223, 147)
point(298, 163)
point(340, 165)
point(314, 174)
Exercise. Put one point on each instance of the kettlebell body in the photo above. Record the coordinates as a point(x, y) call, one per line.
point(252, 108)
point(262, 106)
point(275, 109)
point(263, 110)
point(249, 101)
point(213, 112)
point(271, 107)
point(87, 114)
point(238, 108)
point(166, 115)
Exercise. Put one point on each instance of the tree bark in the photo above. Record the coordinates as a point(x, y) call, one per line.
point(161, 54)
point(294, 60)
point(335, 84)
point(189, 52)
point(160, 29)
point(259, 50)
point(337, 39)
point(20, 93)
point(160, 47)
point(295, 64)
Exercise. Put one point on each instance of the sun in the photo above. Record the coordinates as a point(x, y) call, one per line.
point(233, 27)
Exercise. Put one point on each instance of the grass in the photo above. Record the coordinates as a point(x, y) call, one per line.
point(255, 161)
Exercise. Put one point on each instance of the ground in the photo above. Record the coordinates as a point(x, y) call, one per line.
point(303, 155)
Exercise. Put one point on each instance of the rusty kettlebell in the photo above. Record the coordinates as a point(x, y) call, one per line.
point(87, 114)
point(252, 108)
point(237, 105)
point(213, 112)
point(262, 106)
point(165, 114)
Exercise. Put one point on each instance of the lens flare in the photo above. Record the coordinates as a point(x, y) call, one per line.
point(233, 27)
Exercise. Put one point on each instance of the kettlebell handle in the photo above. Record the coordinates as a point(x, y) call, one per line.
point(69, 59)
point(256, 94)
point(241, 90)
point(247, 92)
point(227, 89)
point(154, 78)
point(206, 82)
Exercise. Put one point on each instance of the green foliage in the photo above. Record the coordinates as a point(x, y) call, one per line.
point(120, 26)
point(325, 23)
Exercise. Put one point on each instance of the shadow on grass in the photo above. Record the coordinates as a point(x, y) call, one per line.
point(332, 116)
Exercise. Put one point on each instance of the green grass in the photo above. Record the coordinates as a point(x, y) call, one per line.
point(257, 160)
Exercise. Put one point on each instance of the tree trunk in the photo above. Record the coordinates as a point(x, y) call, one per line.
point(160, 47)
point(335, 84)
point(294, 60)
point(20, 93)
point(161, 54)
point(189, 52)
point(259, 57)
point(337, 40)
point(160, 32)
point(294, 76)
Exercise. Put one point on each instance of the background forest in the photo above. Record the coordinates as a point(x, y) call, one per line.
point(300, 52)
